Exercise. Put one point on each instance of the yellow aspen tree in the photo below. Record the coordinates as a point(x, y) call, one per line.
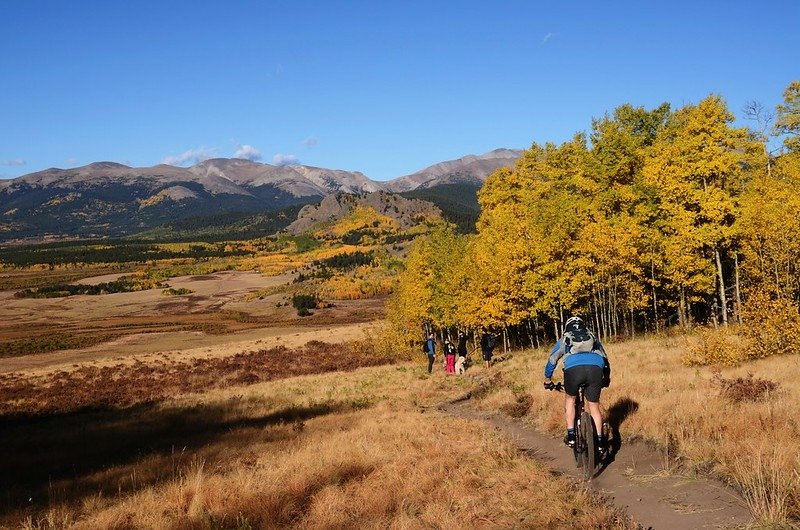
point(788, 117)
point(695, 166)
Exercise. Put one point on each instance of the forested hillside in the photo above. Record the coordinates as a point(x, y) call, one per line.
point(458, 203)
point(657, 217)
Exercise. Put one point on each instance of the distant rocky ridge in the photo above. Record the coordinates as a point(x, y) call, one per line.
point(217, 176)
point(407, 212)
point(109, 199)
point(466, 170)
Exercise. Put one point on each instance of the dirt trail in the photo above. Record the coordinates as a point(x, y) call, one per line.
point(634, 481)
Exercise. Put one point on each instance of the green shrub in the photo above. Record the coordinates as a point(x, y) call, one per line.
point(304, 303)
point(176, 292)
point(306, 242)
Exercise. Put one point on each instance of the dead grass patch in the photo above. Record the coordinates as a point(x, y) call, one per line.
point(748, 388)
point(124, 385)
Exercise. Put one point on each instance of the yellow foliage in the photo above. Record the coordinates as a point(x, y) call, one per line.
point(329, 252)
point(273, 264)
point(771, 325)
point(714, 346)
point(344, 288)
point(360, 218)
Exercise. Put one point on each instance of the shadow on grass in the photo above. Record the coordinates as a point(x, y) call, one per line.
point(616, 415)
point(67, 457)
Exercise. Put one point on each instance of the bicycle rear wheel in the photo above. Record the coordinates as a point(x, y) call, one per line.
point(589, 454)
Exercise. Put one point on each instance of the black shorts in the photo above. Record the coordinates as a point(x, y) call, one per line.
point(588, 374)
point(487, 355)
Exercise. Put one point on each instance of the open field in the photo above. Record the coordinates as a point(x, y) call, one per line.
point(145, 321)
point(222, 408)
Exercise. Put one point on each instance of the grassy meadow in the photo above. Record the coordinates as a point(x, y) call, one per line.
point(365, 448)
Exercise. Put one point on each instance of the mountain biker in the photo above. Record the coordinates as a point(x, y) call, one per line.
point(584, 361)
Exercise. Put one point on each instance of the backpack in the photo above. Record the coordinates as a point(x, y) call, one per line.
point(579, 340)
point(425, 348)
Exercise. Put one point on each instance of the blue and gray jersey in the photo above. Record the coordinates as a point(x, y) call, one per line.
point(596, 357)
point(431, 347)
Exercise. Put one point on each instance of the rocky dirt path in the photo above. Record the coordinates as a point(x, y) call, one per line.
point(635, 480)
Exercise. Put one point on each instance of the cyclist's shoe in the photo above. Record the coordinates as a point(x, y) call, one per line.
point(569, 440)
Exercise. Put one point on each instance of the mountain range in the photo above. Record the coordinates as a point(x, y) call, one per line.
point(108, 199)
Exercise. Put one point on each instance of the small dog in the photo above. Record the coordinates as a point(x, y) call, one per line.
point(460, 368)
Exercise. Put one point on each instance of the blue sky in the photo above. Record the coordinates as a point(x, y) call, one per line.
point(385, 88)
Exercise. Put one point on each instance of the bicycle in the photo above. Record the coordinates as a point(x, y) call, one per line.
point(585, 449)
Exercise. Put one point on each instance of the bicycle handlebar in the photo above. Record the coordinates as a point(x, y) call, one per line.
point(555, 387)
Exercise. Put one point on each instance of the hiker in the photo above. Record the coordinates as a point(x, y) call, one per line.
point(430, 349)
point(487, 346)
point(450, 356)
point(461, 363)
point(585, 362)
point(462, 344)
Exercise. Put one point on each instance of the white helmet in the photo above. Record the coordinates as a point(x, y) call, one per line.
point(574, 323)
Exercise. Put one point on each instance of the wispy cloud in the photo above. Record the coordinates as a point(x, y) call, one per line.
point(14, 162)
point(547, 38)
point(193, 156)
point(72, 161)
point(285, 160)
point(277, 72)
point(248, 152)
point(310, 142)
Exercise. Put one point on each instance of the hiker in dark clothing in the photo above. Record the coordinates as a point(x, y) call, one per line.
point(461, 363)
point(487, 346)
point(431, 351)
point(462, 344)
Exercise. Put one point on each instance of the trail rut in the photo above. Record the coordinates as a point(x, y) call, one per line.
point(635, 480)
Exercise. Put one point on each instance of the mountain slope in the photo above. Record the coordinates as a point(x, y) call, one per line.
point(404, 213)
point(109, 199)
point(458, 203)
point(466, 170)
point(106, 199)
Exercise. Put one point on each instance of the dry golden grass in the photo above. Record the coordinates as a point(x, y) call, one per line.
point(381, 468)
point(753, 445)
point(359, 450)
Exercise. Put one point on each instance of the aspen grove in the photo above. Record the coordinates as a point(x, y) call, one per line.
point(658, 218)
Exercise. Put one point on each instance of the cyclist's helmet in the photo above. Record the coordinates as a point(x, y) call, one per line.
point(574, 324)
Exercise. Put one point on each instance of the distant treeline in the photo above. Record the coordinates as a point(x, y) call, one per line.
point(324, 268)
point(110, 251)
point(227, 226)
point(346, 261)
point(123, 285)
